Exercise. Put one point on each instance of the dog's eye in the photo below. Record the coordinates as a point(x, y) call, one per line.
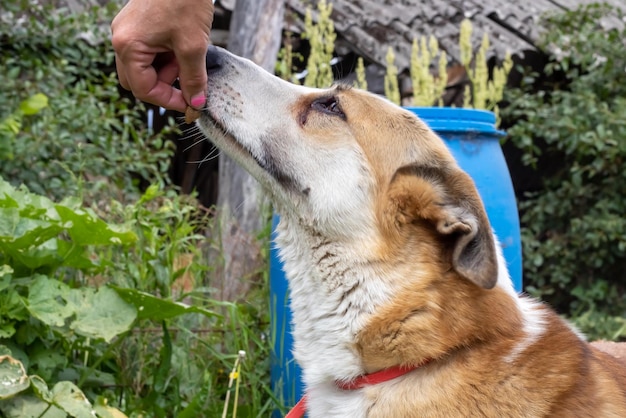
point(328, 105)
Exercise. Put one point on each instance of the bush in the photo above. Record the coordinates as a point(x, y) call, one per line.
point(72, 318)
point(88, 137)
point(104, 302)
point(574, 230)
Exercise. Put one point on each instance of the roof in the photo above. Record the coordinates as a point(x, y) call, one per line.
point(370, 27)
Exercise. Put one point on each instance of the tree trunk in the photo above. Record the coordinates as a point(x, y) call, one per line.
point(255, 33)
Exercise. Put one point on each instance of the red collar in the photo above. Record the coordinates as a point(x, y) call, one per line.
point(360, 382)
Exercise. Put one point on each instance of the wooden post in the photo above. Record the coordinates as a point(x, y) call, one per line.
point(255, 33)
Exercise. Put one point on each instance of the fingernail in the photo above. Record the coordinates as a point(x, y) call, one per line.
point(198, 101)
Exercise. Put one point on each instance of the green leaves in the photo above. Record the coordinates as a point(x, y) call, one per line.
point(13, 378)
point(33, 232)
point(157, 309)
point(12, 124)
point(78, 225)
point(37, 401)
point(572, 126)
point(64, 127)
point(88, 312)
point(33, 104)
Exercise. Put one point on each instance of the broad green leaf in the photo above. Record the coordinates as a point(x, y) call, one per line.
point(47, 361)
point(86, 229)
point(34, 104)
point(75, 256)
point(156, 309)
point(40, 388)
point(195, 407)
point(7, 330)
point(101, 313)
point(30, 204)
point(28, 406)
point(12, 308)
point(68, 397)
point(93, 377)
point(92, 313)
point(49, 301)
point(11, 348)
point(31, 224)
point(19, 231)
point(13, 377)
point(105, 411)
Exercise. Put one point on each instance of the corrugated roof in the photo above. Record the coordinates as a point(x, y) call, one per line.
point(370, 27)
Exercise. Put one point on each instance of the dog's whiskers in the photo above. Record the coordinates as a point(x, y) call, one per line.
point(190, 132)
point(196, 140)
point(215, 153)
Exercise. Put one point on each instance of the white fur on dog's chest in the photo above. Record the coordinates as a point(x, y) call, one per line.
point(332, 293)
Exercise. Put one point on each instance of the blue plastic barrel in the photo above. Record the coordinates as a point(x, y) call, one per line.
point(472, 137)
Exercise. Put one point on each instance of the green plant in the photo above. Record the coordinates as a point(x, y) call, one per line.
point(41, 241)
point(69, 318)
point(86, 160)
point(428, 89)
point(284, 60)
point(12, 124)
point(170, 260)
point(484, 91)
point(88, 137)
point(571, 118)
point(360, 82)
point(321, 37)
point(392, 90)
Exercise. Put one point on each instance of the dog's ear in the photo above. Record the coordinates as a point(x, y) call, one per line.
point(447, 199)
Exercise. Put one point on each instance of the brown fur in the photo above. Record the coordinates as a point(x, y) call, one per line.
point(456, 323)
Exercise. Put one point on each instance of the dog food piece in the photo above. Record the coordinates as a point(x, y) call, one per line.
point(191, 114)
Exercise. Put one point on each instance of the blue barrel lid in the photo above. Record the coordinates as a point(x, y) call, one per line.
point(454, 119)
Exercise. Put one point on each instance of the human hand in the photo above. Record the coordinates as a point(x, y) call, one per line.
point(157, 41)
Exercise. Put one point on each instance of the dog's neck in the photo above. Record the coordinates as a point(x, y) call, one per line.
point(335, 293)
point(331, 296)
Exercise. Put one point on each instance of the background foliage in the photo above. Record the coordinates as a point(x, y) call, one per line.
point(105, 292)
point(88, 137)
point(571, 124)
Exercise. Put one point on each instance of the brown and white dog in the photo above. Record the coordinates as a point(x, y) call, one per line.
point(391, 262)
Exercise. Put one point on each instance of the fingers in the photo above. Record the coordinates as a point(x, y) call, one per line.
point(157, 41)
point(193, 76)
point(152, 84)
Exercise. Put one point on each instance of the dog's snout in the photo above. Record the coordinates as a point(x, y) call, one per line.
point(214, 59)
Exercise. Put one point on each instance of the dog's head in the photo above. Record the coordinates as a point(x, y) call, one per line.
point(348, 164)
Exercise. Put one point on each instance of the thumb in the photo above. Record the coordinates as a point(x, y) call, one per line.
point(192, 74)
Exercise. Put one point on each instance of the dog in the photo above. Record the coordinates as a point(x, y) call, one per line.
point(392, 265)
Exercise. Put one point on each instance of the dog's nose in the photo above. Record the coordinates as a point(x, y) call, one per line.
point(213, 59)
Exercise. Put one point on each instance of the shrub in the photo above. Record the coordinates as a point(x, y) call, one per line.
point(574, 230)
point(88, 137)
point(94, 264)
point(73, 317)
